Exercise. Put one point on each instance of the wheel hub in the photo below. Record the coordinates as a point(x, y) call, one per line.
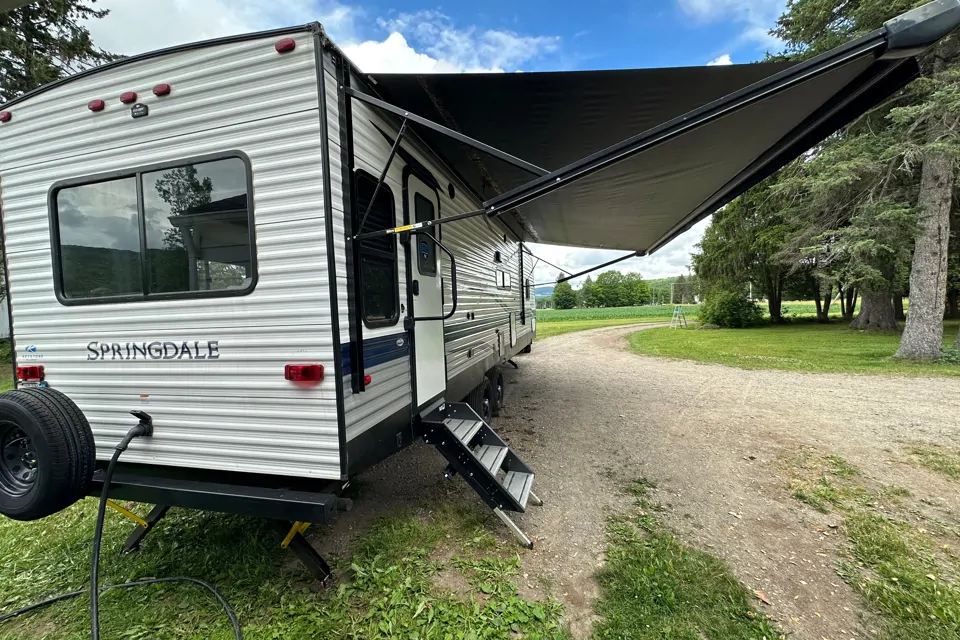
point(18, 461)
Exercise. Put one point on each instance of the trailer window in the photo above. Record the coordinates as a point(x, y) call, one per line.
point(100, 239)
point(178, 229)
point(504, 280)
point(197, 227)
point(426, 248)
point(379, 278)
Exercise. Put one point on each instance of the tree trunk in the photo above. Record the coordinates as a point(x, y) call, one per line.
point(848, 302)
point(823, 309)
point(956, 345)
point(899, 312)
point(775, 297)
point(923, 334)
point(876, 313)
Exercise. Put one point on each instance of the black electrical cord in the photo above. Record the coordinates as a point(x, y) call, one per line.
point(142, 429)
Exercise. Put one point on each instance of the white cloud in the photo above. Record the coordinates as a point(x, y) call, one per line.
point(756, 16)
point(422, 42)
point(720, 61)
point(672, 260)
point(136, 26)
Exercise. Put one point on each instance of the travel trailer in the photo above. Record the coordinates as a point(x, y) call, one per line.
point(287, 269)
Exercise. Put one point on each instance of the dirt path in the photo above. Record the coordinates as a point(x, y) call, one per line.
point(588, 416)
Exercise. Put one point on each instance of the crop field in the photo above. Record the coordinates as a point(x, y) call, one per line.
point(653, 312)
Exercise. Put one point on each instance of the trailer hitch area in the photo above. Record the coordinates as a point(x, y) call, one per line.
point(449, 473)
point(146, 421)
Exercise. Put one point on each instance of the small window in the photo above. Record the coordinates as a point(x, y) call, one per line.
point(424, 210)
point(182, 229)
point(504, 281)
point(379, 277)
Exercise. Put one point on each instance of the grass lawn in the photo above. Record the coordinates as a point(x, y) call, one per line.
point(389, 587)
point(793, 347)
point(553, 328)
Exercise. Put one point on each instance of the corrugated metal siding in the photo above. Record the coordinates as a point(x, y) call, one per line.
point(473, 242)
point(391, 389)
point(236, 413)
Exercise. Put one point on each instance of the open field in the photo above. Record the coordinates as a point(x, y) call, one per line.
point(621, 313)
point(817, 348)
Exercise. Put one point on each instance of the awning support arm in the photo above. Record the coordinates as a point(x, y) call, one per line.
point(383, 174)
point(456, 135)
point(635, 254)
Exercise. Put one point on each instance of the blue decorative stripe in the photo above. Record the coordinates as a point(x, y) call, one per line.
point(377, 351)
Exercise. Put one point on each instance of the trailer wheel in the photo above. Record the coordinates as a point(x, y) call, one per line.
point(498, 390)
point(74, 423)
point(481, 400)
point(43, 468)
point(527, 349)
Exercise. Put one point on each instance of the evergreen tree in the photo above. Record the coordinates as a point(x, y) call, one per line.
point(44, 41)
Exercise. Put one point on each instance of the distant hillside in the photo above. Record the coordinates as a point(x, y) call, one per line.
point(662, 283)
point(544, 291)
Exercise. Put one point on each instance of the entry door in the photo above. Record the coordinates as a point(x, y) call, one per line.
point(431, 369)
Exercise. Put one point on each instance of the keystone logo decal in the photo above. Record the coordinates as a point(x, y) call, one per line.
point(32, 348)
point(196, 350)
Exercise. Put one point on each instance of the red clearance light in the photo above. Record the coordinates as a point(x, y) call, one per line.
point(96, 105)
point(367, 380)
point(32, 372)
point(5, 116)
point(161, 90)
point(128, 97)
point(287, 44)
point(303, 372)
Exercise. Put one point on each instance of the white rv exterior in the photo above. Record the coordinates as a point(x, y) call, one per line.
point(202, 341)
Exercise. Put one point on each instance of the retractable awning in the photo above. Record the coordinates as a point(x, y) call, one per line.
point(633, 158)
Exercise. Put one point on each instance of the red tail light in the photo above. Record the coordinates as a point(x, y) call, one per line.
point(96, 105)
point(128, 97)
point(367, 380)
point(303, 372)
point(5, 116)
point(32, 372)
point(287, 44)
point(161, 89)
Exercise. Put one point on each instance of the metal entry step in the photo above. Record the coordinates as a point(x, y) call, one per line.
point(478, 454)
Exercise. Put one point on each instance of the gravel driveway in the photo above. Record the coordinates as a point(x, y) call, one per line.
point(588, 416)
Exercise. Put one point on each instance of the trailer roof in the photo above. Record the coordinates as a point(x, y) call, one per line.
point(690, 139)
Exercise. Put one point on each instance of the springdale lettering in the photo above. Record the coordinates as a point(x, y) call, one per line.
point(196, 350)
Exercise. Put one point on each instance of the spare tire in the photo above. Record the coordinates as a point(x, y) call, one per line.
point(46, 453)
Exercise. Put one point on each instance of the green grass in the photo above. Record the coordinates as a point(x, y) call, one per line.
point(549, 329)
point(906, 575)
point(655, 588)
point(939, 459)
point(388, 585)
point(817, 348)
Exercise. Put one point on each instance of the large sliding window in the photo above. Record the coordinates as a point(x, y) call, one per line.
point(379, 277)
point(177, 230)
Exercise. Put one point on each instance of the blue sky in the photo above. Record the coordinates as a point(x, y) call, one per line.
point(493, 35)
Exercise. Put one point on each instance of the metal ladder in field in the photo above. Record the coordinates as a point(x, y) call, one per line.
point(679, 319)
point(475, 452)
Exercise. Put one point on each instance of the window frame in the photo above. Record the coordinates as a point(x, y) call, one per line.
point(137, 173)
point(376, 323)
point(504, 280)
point(434, 271)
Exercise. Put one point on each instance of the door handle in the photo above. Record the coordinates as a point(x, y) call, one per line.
point(415, 287)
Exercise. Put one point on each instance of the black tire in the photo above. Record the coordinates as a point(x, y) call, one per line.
point(76, 426)
point(481, 400)
point(498, 390)
point(527, 349)
point(42, 466)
